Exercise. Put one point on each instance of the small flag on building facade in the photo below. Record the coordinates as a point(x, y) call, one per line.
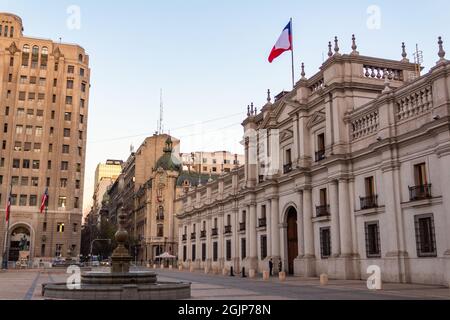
point(44, 201)
point(8, 206)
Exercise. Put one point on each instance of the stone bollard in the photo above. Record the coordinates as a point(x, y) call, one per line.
point(323, 279)
point(282, 276)
point(192, 269)
point(154, 266)
point(266, 275)
point(252, 273)
point(170, 267)
point(206, 270)
point(180, 268)
point(224, 272)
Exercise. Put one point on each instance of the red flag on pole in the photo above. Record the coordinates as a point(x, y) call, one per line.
point(44, 201)
point(8, 207)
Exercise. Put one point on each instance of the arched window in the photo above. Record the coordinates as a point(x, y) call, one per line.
point(44, 57)
point(34, 57)
point(25, 55)
point(80, 58)
point(1, 29)
point(11, 34)
point(35, 51)
point(6, 31)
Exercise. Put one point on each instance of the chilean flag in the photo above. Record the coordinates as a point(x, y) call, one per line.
point(8, 208)
point(44, 201)
point(283, 44)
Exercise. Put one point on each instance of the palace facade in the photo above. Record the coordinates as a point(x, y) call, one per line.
point(349, 169)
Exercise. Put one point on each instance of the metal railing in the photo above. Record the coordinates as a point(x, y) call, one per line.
point(369, 202)
point(420, 192)
point(242, 226)
point(215, 232)
point(203, 234)
point(320, 155)
point(262, 223)
point(227, 230)
point(323, 211)
point(287, 168)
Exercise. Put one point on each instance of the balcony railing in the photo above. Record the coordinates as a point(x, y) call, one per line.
point(323, 211)
point(369, 202)
point(193, 235)
point(184, 237)
point(227, 229)
point(287, 168)
point(262, 223)
point(203, 234)
point(261, 179)
point(242, 226)
point(420, 192)
point(160, 217)
point(320, 155)
point(215, 232)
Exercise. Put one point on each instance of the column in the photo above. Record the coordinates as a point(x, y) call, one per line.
point(180, 243)
point(189, 244)
point(334, 208)
point(345, 218)
point(308, 228)
point(295, 149)
point(300, 233)
point(198, 244)
point(253, 236)
point(445, 177)
point(209, 245)
point(275, 231)
point(220, 245)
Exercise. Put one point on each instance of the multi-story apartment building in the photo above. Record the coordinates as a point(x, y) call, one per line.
point(111, 169)
point(211, 162)
point(355, 173)
point(44, 95)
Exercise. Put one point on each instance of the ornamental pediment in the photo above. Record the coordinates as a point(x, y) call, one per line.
point(316, 118)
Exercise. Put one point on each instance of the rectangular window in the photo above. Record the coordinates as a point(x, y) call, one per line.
point(42, 81)
point(67, 116)
point(37, 147)
point(215, 252)
point(31, 96)
point(39, 132)
point(69, 84)
point(75, 228)
point(64, 166)
point(26, 164)
point(263, 247)
point(193, 252)
point(373, 249)
point(18, 146)
point(27, 147)
point(70, 69)
point(83, 87)
point(55, 82)
point(19, 129)
point(228, 250)
point(62, 202)
point(66, 149)
point(323, 197)
point(36, 164)
point(81, 72)
point(59, 250)
point(243, 248)
point(81, 103)
point(370, 186)
point(66, 133)
point(63, 183)
point(33, 201)
point(420, 174)
point(24, 181)
point(203, 252)
point(16, 164)
point(35, 182)
point(69, 100)
point(14, 199)
point(14, 181)
point(184, 253)
point(23, 200)
point(425, 236)
point(325, 242)
point(29, 130)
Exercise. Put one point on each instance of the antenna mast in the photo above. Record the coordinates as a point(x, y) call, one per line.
point(161, 114)
point(418, 60)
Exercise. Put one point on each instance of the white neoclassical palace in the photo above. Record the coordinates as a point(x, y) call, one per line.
point(348, 170)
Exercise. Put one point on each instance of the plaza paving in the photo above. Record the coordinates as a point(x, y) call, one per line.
point(26, 285)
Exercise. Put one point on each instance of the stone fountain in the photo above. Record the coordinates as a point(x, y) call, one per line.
point(119, 283)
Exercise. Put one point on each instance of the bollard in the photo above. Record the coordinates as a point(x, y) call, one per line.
point(192, 269)
point(282, 276)
point(252, 273)
point(154, 266)
point(180, 268)
point(266, 275)
point(224, 272)
point(323, 279)
point(243, 273)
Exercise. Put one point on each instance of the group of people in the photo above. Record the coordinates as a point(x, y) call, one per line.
point(280, 266)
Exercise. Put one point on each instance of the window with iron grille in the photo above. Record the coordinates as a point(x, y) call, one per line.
point(243, 248)
point(193, 253)
point(184, 253)
point(325, 242)
point(215, 251)
point(373, 247)
point(425, 236)
point(203, 252)
point(263, 247)
point(228, 246)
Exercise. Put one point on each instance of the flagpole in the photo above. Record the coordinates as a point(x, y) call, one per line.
point(292, 55)
point(6, 253)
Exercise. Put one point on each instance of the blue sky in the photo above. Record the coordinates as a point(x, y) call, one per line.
point(210, 58)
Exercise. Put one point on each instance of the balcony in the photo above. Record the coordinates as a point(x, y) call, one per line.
point(184, 237)
point(242, 226)
point(369, 202)
point(215, 232)
point(420, 192)
point(261, 179)
point(323, 211)
point(287, 168)
point(320, 155)
point(193, 235)
point(262, 223)
point(160, 217)
point(203, 234)
point(227, 229)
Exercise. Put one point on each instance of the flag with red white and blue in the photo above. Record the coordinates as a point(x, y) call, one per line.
point(283, 44)
point(8, 206)
point(44, 201)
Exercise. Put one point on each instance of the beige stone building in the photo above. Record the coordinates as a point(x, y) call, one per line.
point(211, 162)
point(44, 95)
point(348, 170)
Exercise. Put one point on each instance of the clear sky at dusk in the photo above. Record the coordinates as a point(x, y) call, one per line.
point(210, 58)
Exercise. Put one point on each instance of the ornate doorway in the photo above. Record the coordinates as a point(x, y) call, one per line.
point(292, 238)
point(20, 241)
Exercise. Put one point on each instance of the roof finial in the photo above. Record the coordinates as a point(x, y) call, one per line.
point(336, 45)
point(269, 98)
point(330, 52)
point(387, 81)
point(404, 54)
point(441, 52)
point(354, 46)
point(248, 110)
point(251, 109)
point(303, 74)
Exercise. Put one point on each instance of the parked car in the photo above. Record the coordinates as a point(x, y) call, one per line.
point(95, 262)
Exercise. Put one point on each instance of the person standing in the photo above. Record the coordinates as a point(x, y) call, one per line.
point(271, 267)
point(280, 266)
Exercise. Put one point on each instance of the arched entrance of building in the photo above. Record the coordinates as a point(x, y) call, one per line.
point(20, 241)
point(292, 238)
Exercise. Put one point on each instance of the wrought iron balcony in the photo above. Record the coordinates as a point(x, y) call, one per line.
point(215, 232)
point(420, 192)
point(262, 223)
point(227, 229)
point(261, 179)
point(184, 237)
point(193, 235)
point(287, 168)
point(160, 217)
point(369, 202)
point(203, 234)
point(320, 155)
point(242, 226)
point(323, 211)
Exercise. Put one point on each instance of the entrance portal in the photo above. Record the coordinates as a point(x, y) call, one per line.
point(19, 242)
point(292, 238)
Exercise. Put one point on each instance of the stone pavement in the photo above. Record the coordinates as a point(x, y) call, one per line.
point(26, 285)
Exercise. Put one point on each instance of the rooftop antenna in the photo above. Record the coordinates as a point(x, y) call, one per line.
point(131, 148)
point(418, 60)
point(161, 114)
